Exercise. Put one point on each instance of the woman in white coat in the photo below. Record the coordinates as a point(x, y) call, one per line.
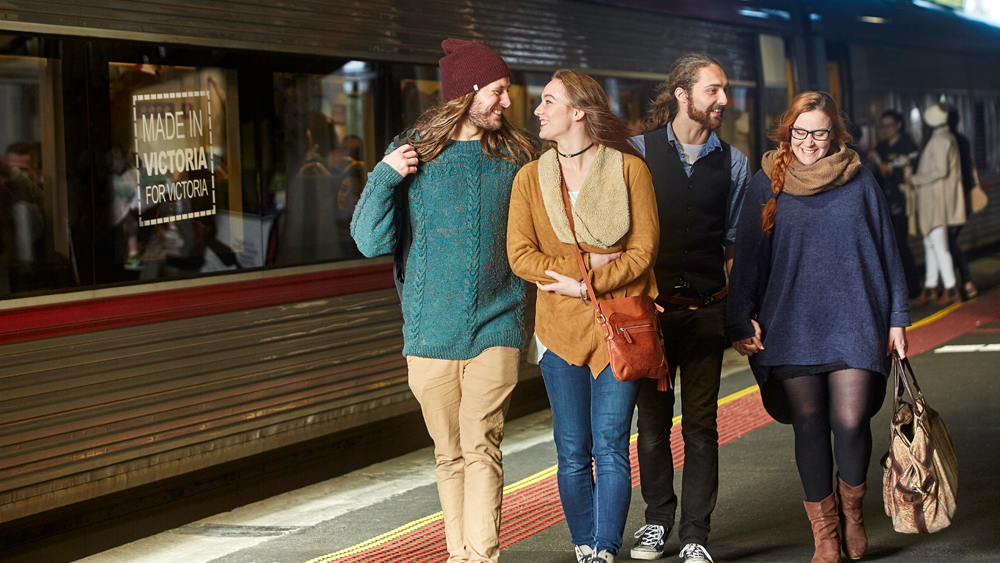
point(940, 204)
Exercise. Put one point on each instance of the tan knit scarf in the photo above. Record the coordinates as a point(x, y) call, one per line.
point(829, 172)
point(601, 212)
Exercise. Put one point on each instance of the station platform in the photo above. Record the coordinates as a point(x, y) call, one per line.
point(389, 512)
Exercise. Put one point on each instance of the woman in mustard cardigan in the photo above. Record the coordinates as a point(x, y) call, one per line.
point(614, 212)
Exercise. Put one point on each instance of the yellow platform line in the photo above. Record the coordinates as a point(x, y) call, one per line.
point(941, 313)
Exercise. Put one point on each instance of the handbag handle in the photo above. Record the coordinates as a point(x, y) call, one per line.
point(901, 382)
point(576, 246)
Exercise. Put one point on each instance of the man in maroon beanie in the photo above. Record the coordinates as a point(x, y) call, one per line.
point(463, 307)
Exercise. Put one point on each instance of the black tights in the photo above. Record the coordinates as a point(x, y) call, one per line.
point(839, 401)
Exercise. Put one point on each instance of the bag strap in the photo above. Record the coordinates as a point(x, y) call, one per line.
point(576, 246)
point(900, 366)
point(401, 219)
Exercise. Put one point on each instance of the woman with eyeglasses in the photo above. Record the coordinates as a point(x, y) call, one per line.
point(818, 300)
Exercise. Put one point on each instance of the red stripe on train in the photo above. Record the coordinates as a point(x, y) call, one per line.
point(61, 319)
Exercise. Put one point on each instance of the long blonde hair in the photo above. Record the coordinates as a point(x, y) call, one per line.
point(603, 126)
point(437, 125)
point(782, 134)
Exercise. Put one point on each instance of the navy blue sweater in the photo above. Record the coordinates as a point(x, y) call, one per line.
point(826, 285)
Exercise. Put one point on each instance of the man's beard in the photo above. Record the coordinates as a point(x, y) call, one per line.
point(481, 117)
point(704, 117)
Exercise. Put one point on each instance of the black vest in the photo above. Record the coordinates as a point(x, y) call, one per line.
point(692, 214)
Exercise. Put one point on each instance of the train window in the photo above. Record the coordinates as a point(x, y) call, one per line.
point(34, 228)
point(630, 98)
point(324, 134)
point(418, 95)
point(174, 187)
point(531, 85)
point(737, 126)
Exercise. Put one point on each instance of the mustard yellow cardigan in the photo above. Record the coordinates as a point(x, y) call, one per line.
point(565, 325)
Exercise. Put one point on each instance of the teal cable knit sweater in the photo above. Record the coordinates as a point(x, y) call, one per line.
point(460, 296)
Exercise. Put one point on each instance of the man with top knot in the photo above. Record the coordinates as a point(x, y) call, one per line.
point(463, 308)
point(699, 181)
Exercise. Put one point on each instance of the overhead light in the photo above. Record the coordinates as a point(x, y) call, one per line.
point(355, 66)
point(815, 17)
point(765, 13)
point(753, 13)
point(873, 19)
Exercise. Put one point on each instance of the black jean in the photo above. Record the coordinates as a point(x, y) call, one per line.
point(958, 255)
point(901, 230)
point(694, 341)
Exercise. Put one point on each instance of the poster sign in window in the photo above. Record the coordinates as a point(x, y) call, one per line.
point(174, 147)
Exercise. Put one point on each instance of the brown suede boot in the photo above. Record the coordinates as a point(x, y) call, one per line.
point(852, 519)
point(928, 295)
point(823, 516)
point(949, 296)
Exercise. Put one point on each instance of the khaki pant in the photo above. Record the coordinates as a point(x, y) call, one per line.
point(464, 403)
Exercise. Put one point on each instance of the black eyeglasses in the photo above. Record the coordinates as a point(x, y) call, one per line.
point(818, 134)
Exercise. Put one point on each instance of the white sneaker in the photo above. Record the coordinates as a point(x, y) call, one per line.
point(583, 553)
point(650, 544)
point(602, 556)
point(695, 553)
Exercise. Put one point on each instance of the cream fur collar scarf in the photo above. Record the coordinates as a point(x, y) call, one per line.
point(601, 213)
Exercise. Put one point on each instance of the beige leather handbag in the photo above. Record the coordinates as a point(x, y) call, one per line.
point(921, 470)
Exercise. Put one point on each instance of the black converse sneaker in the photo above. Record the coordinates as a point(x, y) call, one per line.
point(695, 553)
point(650, 542)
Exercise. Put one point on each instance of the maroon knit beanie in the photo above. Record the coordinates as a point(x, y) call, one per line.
point(467, 67)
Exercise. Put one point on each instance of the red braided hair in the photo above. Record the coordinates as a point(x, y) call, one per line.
point(781, 162)
point(782, 134)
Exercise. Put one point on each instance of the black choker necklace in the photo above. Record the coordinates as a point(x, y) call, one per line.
point(576, 153)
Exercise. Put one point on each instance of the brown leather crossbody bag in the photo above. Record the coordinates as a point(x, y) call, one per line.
point(630, 324)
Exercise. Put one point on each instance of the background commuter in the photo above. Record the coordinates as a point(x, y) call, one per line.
point(819, 302)
point(896, 156)
point(969, 180)
point(940, 204)
point(463, 308)
point(699, 182)
point(25, 157)
point(22, 224)
point(616, 224)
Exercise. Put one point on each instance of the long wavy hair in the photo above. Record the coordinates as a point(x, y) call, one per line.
point(781, 133)
point(603, 126)
point(684, 74)
point(437, 125)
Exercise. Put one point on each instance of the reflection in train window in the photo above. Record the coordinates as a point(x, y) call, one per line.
point(418, 96)
point(630, 97)
point(174, 197)
point(737, 124)
point(324, 134)
point(35, 249)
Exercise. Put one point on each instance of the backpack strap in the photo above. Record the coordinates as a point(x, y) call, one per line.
point(401, 220)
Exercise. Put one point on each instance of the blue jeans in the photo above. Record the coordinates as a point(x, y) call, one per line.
point(591, 419)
